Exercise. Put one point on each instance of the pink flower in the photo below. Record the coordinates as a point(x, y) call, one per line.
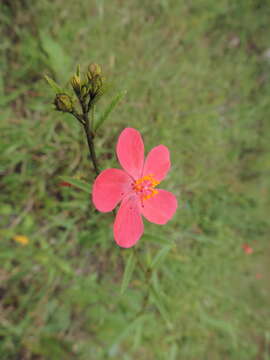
point(135, 189)
point(247, 249)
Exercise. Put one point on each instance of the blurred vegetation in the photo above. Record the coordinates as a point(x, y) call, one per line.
point(197, 80)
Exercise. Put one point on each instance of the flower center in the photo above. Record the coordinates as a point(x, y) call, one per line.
point(145, 187)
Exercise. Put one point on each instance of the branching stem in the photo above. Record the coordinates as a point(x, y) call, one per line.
point(87, 126)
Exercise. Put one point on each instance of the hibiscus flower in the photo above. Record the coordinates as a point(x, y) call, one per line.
point(135, 188)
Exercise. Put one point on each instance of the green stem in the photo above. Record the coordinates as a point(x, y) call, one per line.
point(93, 117)
point(84, 120)
point(90, 140)
point(78, 117)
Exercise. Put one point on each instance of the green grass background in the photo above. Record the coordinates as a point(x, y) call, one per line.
point(197, 80)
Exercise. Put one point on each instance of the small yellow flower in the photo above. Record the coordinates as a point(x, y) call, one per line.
point(21, 239)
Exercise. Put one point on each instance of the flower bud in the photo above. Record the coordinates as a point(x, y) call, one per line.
point(84, 91)
point(76, 84)
point(93, 70)
point(63, 102)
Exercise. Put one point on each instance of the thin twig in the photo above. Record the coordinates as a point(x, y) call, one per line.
point(84, 120)
point(78, 117)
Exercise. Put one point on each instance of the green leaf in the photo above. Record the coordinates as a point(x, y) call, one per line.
point(162, 309)
point(103, 117)
point(77, 183)
point(78, 70)
point(173, 352)
point(58, 60)
point(156, 239)
point(130, 328)
point(160, 256)
point(137, 337)
point(64, 266)
point(224, 327)
point(53, 85)
point(128, 272)
point(5, 98)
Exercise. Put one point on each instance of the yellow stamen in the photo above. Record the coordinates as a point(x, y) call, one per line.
point(145, 186)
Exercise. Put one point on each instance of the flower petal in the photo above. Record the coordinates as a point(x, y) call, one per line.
point(157, 162)
point(128, 225)
point(160, 208)
point(130, 152)
point(109, 189)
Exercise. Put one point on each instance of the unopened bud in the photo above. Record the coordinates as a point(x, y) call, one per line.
point(76, 83)
point(93, 70)
point(63, 102)
point(84, 91)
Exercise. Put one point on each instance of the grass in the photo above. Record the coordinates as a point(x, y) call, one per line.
point(197, 80)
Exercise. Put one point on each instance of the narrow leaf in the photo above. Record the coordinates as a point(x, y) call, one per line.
point(156, 239)
point(77, 183)
point(128, 272)
point(162, 309)
point(58, 60)
point(64, 266)
point(128, 330)
point(173, 352)
point(78, 70)
point(160, 256)
point(103, 117)
point(53, 84)
point(137, 337)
